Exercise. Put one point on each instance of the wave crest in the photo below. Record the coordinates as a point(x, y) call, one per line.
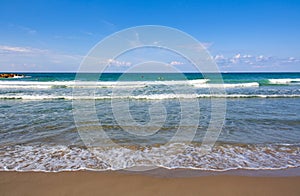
point(284, 81)
point(147, 97)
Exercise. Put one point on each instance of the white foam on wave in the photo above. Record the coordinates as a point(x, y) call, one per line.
point(284, 81)
point(225, 85)
point(191, 96)
point(92, 84)
point(47, 158)
point(171, 156)
point(195, 96)
point(18, 77)
point(147, 97)
point(36, 83)
point(25, 87)
point(200, 83)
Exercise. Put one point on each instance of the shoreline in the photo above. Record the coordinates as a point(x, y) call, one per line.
point(161, 172)
point(191, 173)
point(118, 183)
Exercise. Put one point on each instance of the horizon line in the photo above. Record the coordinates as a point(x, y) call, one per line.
point(71, 72)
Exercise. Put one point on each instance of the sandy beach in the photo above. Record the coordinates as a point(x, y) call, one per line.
point(116, 183)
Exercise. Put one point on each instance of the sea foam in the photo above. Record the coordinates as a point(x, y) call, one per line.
point(200, 83)
point(147, 97)
point(171, 156)
point(284, 81)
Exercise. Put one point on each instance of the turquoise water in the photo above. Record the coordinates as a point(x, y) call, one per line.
point(261, 78)
point(38, 130)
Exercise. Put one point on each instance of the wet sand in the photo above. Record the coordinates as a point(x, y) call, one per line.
point(118, 183)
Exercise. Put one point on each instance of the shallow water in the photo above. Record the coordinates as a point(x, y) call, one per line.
point(38, 131)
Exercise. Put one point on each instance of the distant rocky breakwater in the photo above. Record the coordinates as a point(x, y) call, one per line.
point(11, 75)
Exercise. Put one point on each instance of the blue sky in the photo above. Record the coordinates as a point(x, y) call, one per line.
point(241, 35)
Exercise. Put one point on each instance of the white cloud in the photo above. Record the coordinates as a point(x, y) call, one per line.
point(28, 30)
point(176, 63)
point(113, 62)
point(237, 56)
point(247, 56)
point(247, 62)
point(17, 58)
point(219, 57)
point(241, 59)
point(13, 49)
point(262, 58)
point(291, 60)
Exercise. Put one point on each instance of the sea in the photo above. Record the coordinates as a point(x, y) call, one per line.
point(64, 122)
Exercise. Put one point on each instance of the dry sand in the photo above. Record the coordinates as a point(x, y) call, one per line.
point(115, 183)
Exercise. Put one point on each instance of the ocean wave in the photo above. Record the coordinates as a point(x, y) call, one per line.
point(226, 85)
point(104, 83)
point(201, 83)
point(284, 81)
point(100, 84)
point(171, 156)
point(18, 77)
point(25, 86)
point(147, 97)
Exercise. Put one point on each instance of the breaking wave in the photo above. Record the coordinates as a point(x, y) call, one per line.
point(171, 156)
point(147, 97)
point(200, 83)
point(285, 81)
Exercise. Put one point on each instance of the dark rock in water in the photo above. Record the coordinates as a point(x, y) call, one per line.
point(10, 75)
